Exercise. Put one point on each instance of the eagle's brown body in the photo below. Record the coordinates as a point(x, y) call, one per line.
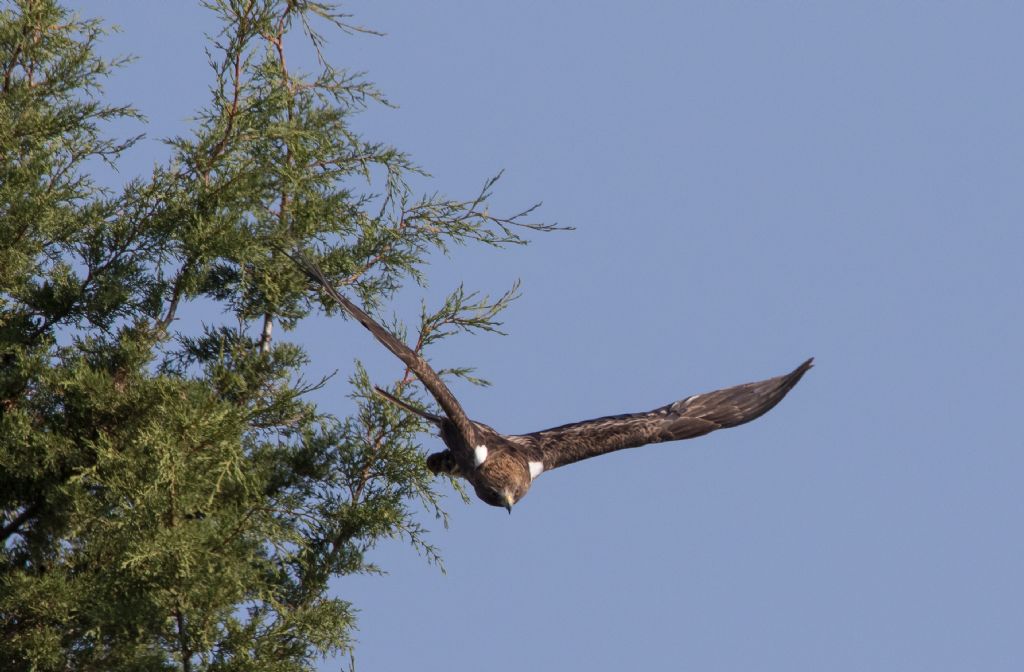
point(502, 467)
point(505, 469)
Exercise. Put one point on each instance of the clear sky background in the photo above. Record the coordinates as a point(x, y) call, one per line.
point(752, 183)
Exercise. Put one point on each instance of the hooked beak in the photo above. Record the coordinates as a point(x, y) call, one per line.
point(508, 507)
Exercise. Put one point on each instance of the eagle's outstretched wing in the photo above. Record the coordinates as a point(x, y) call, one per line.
point(419, 366)
point(685, 419)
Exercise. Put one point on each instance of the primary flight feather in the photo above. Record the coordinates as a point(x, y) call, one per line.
point(501, 467)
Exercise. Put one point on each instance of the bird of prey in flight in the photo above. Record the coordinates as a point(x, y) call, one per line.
point(501, 467)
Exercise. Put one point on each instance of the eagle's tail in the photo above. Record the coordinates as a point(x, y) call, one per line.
point(430, 417)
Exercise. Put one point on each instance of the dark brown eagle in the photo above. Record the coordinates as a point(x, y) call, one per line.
point(502, 467)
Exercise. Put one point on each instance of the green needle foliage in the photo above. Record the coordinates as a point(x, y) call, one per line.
point(178, 502)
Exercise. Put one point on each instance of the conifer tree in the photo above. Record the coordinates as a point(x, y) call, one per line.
point(173, 501)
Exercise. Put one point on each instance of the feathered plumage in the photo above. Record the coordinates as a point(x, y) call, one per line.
point(502, 467)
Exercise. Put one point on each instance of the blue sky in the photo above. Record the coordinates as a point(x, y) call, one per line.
point(751, 183)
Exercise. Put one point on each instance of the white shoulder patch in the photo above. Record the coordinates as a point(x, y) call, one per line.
point(535, 469)
point(479, 454)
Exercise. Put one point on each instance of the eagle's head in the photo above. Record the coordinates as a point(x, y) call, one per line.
point(502, 479)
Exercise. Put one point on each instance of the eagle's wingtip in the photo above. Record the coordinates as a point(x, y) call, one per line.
point(799, 371)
